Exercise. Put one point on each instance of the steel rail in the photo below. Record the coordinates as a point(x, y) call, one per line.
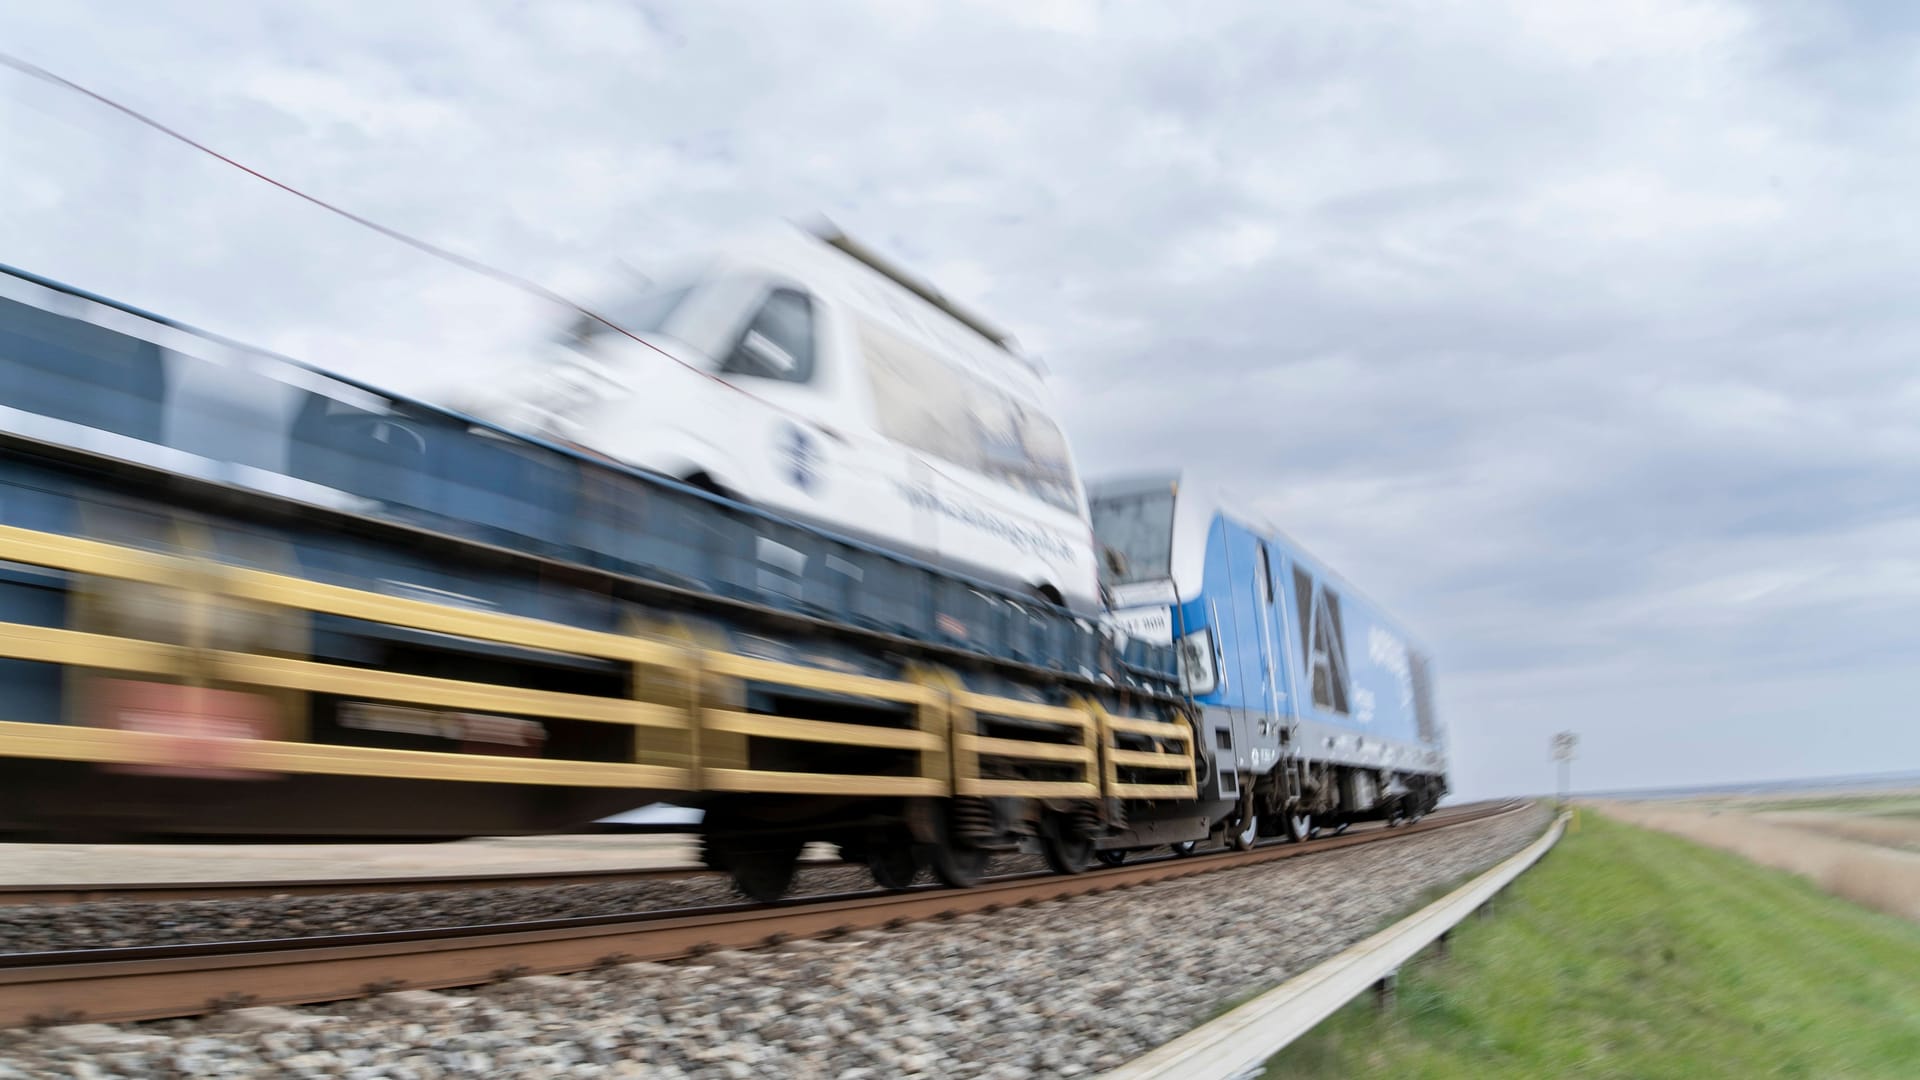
point(156, 982)
point(147, 892)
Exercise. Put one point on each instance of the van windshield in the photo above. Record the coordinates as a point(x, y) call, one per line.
point(644, 314)
point(1140, 527)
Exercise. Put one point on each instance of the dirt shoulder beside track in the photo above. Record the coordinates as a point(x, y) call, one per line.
point(1867, 873)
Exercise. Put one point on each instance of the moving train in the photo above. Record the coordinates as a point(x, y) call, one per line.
point(244, 597)
point(1322, 705)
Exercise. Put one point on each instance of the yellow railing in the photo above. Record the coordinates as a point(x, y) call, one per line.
point(690, 729)
point(1169, 765)
point(725, 761)
point(989, 766)
point(653, 768)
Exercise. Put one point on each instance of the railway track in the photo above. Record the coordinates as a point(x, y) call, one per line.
point(156, 982)
point(21, 895)
point(163, 891)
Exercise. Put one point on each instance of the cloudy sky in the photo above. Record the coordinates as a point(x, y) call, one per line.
point(1581, 335)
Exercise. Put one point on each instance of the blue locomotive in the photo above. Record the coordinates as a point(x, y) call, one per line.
point(1315, 709)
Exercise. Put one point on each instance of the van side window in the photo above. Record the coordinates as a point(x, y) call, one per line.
point(926, 403)
point(778, 343)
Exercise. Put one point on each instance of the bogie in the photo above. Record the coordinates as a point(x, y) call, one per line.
point(1065, 848)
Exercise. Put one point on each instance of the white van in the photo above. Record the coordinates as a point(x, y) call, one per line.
point(810, 377)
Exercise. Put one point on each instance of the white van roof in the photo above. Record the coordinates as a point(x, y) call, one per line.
point(830, 234)
point(832, 264)
point(830, 241)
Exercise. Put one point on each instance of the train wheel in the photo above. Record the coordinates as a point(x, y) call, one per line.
point(892, 862)
point(1300, 827)
point(765, 874)
point(1248, 835)
point(954, 862)
point(1184, 848)
point(1110, 856)
point(961, 868)
point(1066, 851)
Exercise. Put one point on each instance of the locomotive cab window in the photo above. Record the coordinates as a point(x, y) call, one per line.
point(778, 342)
point(1139, 529)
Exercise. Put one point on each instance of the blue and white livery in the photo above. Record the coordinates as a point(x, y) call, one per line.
point(1314, 706)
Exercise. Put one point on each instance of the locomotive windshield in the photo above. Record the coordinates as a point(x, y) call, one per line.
point(1138, 526)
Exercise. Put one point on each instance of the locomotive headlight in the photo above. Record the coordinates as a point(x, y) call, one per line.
point(1196, 662)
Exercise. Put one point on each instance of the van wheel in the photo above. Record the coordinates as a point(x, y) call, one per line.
point(1048, 595)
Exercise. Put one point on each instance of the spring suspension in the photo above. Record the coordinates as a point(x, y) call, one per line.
point(972, 819)
point(1086, 820)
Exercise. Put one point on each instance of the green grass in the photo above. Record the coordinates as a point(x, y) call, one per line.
point(1628, 953)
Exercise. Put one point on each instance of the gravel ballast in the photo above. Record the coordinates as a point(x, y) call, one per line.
point(1063, 989)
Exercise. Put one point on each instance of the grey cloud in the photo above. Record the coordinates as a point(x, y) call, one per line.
point(1578, 335)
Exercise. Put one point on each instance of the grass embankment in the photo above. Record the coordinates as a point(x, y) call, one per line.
point(1630, 953)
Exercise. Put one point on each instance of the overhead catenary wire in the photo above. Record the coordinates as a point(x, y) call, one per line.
point(465, 262)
